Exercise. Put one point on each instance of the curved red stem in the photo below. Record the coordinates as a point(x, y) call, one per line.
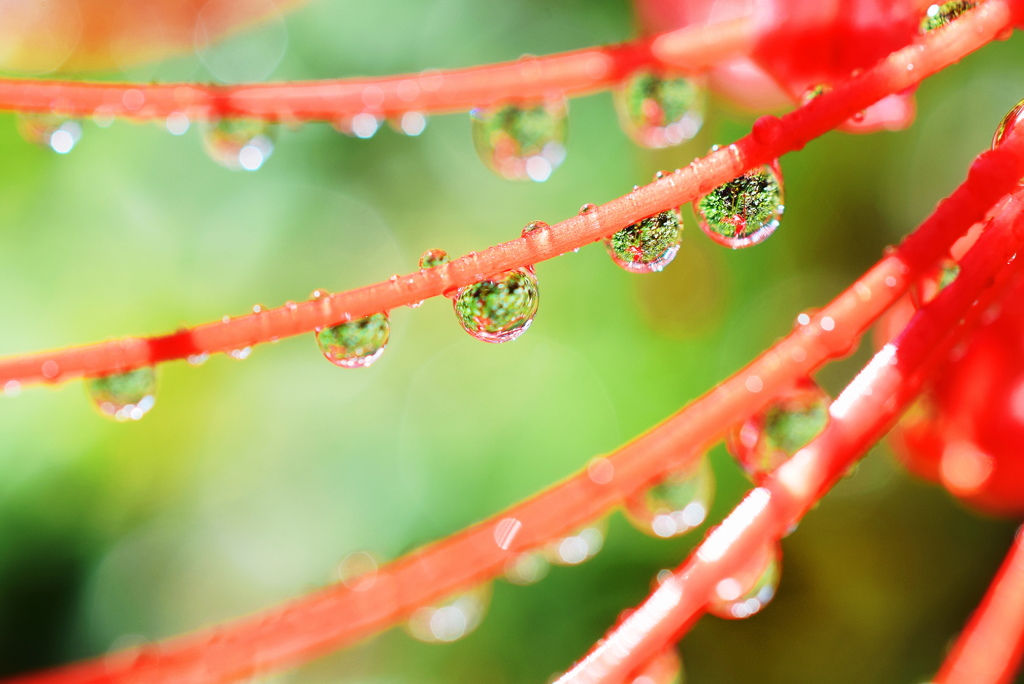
point(771, 138)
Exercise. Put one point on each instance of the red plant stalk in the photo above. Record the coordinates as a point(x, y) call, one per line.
point(771, 138)
point(989, 649)
point(338, 615)
point(858, 418)
point(571, 73)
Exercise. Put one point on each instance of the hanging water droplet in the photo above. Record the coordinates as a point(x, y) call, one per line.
point(527, 568)
point(666, 668)
point(452, 618)
point(521, 141)
point(791, 420)
point(51, 131)
point(660, 109)
point(534, 227)
point(939, 15)
point(577, 547)
point(749, 590)
point(355, 344)
point(124, 396)
point(240, 354)
point(814, 92)
point(409, 123)
point(238, 144)
point(1013, 118)
point(363, 125)
point(177, 123)
point(676, 504)
point(499, 308)
point(358, 571)
point(433, 258)
point(197, 359)
point(744, 211)
point(647, 245)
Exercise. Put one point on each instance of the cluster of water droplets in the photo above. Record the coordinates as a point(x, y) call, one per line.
point(676, 504)
point(124, 396)
point(659, 109)
point(521, 141)
point(751, 588)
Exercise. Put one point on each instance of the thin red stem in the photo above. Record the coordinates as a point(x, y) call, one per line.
point(771, 138)
point(858, 418)
point(338, 615)
point(989, 649)
point(570, 73)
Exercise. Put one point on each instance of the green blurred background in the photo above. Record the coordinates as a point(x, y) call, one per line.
point(250, 481)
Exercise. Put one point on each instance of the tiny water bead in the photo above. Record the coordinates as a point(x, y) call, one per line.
point(499, 308)
point(534, 228)
point(746, 210)
point(238, 144)
point(647, 245)
point(355, 344)
point(577, 547)
point(51, 131)
point(124, 396)
point(791, 420)
point(521, 141)
point(748, 591)
point(433, 258)
point(676, 504)
point(452, 618)
point(660, 110)
point(814, 92)
point(939, 15)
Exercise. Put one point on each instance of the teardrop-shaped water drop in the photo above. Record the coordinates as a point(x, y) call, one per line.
point(521, 141)
point(124, 396)
point(750, 589)
point(355, 344)
point(791, 420)
point(238, 144)
point(660, 109)
point(939, 15)
point(578, 547)
point(1013, 118)
point(451, 619)
point(534, 228)
point(527, 568)
point(54, 132)
point(499, 308)
point(666, 668)
point(433, 258)
point(675, 505)
point(744, 211)
point(647, 245)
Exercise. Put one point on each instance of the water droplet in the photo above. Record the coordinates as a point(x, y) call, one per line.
point(177, 123)
point(939, 15)
point(452, 618)
point(355, 344)
point(499, 308)
point(587, 208)
point(124, 396)
point(791, 420)
point(317, 295)
point(363, 125)
point(647, 245)
point(659, 109)
point(1012, 119)
point(12, 388)
point(526, 568)
point(521, 141)
point(409, 123)
point(433, 258)
point(238, 144)
point(50, 130)
point(814, 92)
point(197, 359)
point(744, 211)
point(577, 547)
point(749, 590)
point(666, 668)
point(240, 354)
point(358, 571)
point(676, 504)
point(534, 227)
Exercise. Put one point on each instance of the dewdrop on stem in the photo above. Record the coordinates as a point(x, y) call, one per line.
point(238, 144)
point(676, 504)
point(660, 109)
point(745, 210)
point(124, 396)
point(749, 589)
point(521, 140)
point(648, 245)
point(51, 131)
point(355, 344)
point(451, 619)
point(499, 308)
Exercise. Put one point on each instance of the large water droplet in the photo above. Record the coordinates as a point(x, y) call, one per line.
point(749, 590)
point(355, 344)
point(433, 258)
point(124, 396)
point(521, 141)
point(238, 144)
point(499, 308)
point(577, 547)
point(647, 245)
point(939, 15)
point(51, 131)
point(744, 211)
point(791, 420)
point(660, 110)
point(451, 619)
point(666, 668)
point(1013, 118)
point(676, 504)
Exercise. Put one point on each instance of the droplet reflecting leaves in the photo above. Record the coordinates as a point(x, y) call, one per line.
point(433, 258)
point(451, 619)
point(748, 591)
point(939, 15)
point(355, 344)
point(1011, 120)
point(521, 141)
point(238, 144)
point(660, 110)
point(499, 308)
point(648, 245)
point(744, 211)
point(676, 504)
point(124, 396)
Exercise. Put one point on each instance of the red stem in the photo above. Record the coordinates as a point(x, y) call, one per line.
point(771, 138)
point(570, 73)
point(338, 615)
point(990, 647)
point(858, 418)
